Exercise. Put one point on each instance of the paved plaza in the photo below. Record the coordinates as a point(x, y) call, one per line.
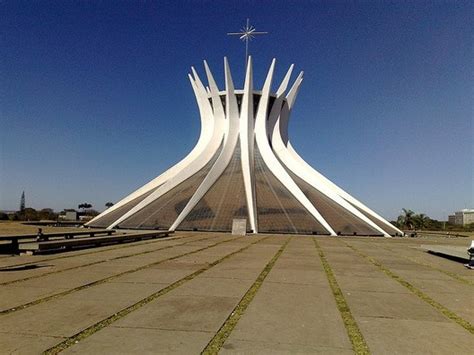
point(210, 292)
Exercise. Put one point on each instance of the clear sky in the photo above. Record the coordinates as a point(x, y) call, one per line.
point(95, 99)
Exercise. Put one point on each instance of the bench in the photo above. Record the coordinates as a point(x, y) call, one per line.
point(65, 244)
point(15, 239)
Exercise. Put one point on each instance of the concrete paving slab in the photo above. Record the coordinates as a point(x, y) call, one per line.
point(154, 276)
point(144, 259)
point(233, 272)
point(68, 279)
point(182, 312)
point(12, 296)
point(70, 314)
point(207, 256)
point(391, 305)
point(221, 287)
point(275, 315)
point(115, 292)
point(24, 344)
point(310, 262)
point(356, 268)
point(270, 348)
point(435, 286)
point(423, 275)
point(369, 284)
point(347, 271)
point(405, 265)
point(114, 340)
point(395, 336)
point(35, 270)
point(301, 277)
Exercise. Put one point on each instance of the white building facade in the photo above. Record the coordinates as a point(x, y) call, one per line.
point(244, 167)
point(463, 217)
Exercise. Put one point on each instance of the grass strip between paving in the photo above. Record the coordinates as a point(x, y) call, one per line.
point(449, 273)
point(107, 321)
point(359, 344)
point(438, 306)
point(97, 262)
point(104, 280)
point(223, 333)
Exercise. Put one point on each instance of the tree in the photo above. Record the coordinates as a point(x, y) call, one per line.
point(84, 206)
point(421, 221)
point(29, 214)
point(406, 219)
point(47, 213)
point(109, 204)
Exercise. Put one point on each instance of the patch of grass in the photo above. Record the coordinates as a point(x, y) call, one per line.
point(107, 321)
point(438, 306)
point(104, 280)
point(223, 333)
point(13, 227)
point(359, 344)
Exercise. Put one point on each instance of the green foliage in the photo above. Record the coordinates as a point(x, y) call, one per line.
point(406, 220)
point(84, 206)
point(3, 216)
point(421, 221)
point(411, 220)
point(30, 214)
point(48, 214)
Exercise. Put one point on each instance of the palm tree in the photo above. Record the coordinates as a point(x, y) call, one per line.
point(84, 206)
point(421, 220)
point(406, 219)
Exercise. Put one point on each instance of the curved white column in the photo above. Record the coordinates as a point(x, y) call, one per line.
point(324, 180)
point(295, 163)
point(287, 159)
point(230, 141)
point(271, 161)
point(205, 136)
point(246, 145)
point(216, 114)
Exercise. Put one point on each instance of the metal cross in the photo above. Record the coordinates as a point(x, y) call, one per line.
point(248, 32)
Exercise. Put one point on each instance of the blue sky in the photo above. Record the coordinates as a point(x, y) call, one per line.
point(95, 99)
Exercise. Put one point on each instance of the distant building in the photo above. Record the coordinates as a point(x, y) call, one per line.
point(463, 217)
point(71, 216)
